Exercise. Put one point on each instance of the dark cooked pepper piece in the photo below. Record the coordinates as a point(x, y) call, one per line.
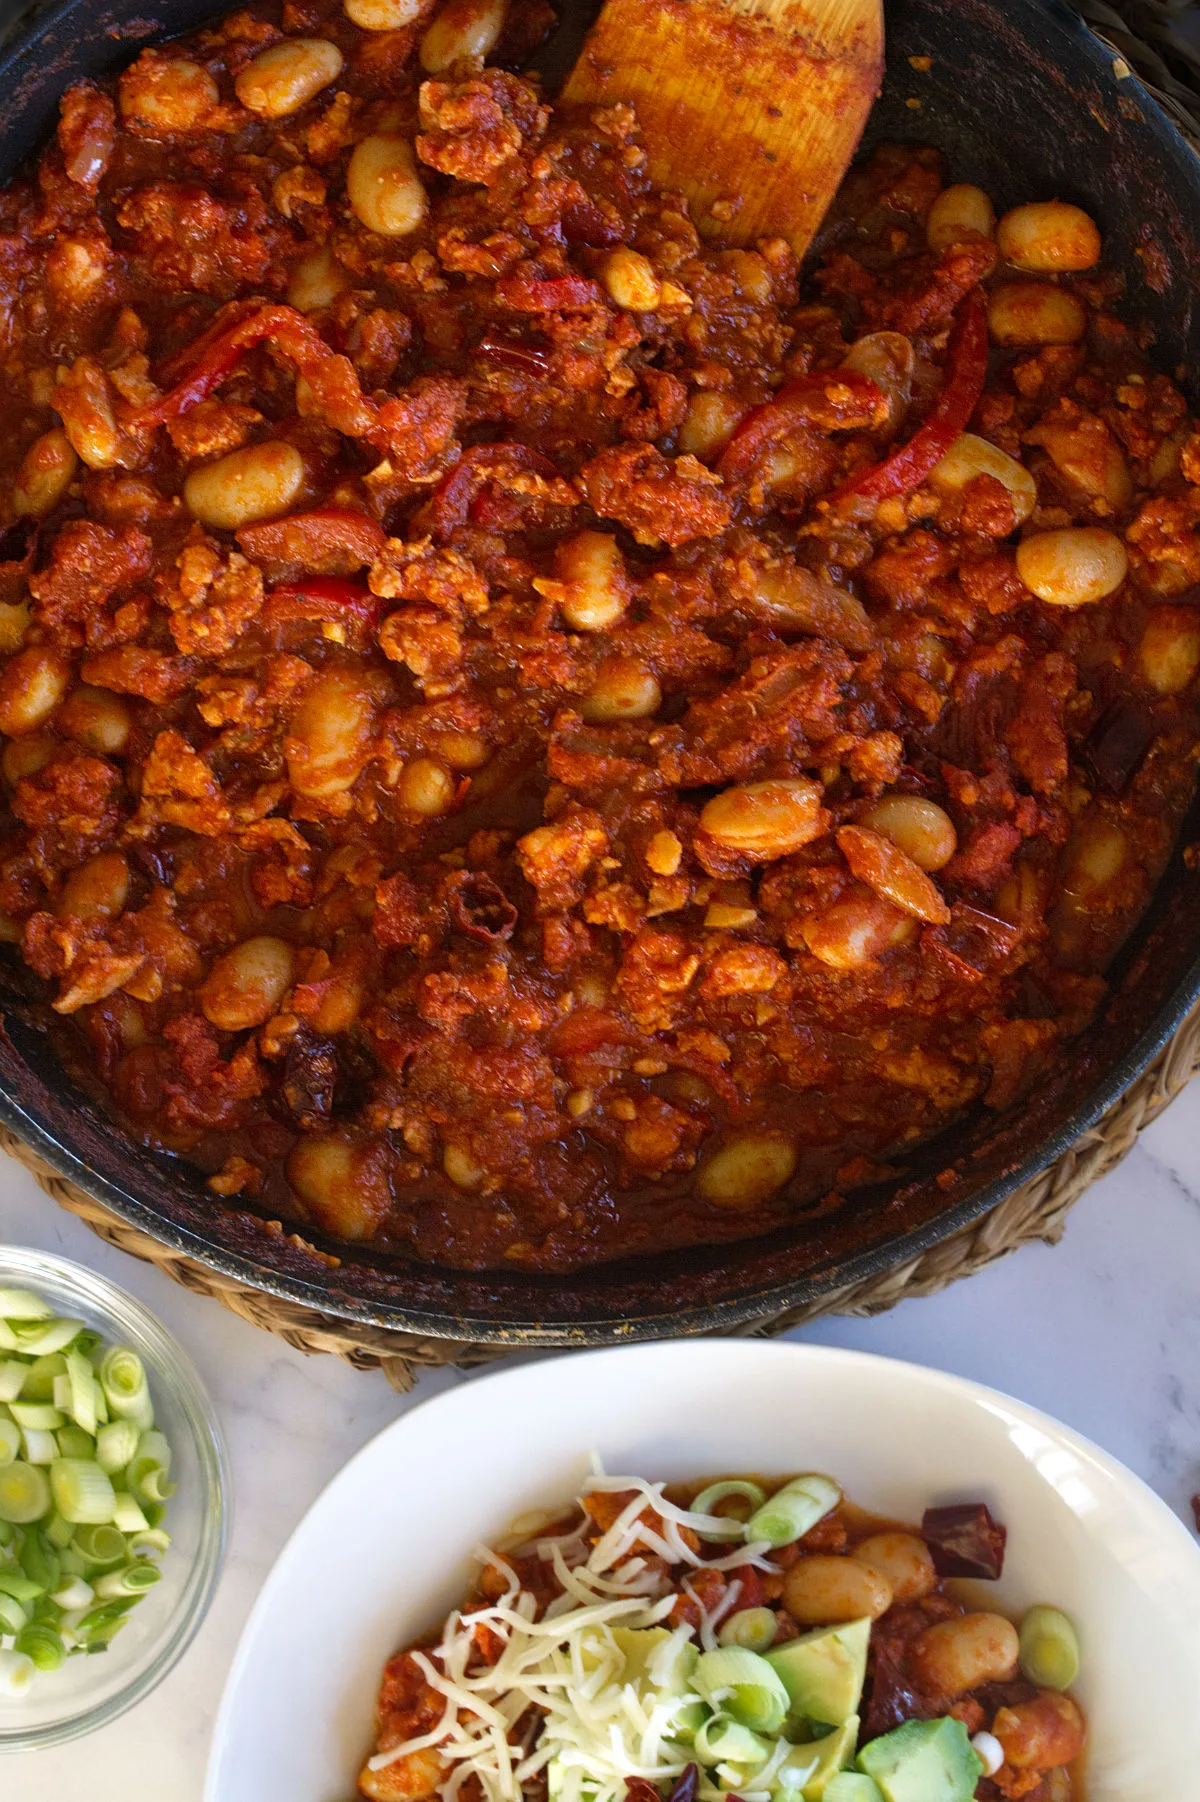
point(1117, 743)
point(835, 400)
point(686, 1784)
point(216, 353)
point(480, 908)
point(964, 1540)
point(907, 467)
point(330, 598)
point(514, 353)
point(451, 502)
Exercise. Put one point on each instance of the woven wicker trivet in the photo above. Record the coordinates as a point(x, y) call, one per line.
point(1161, 41)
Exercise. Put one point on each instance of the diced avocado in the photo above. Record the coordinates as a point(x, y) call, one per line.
point(806, 1770)
point(823, 1671)
point(639, 1647)
point(852, 1786)
point(924, 1761)
point(834, 1753)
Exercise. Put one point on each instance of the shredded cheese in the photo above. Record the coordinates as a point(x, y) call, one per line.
point(559, 1698)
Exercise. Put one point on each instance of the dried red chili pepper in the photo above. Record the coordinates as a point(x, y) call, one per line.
point(907, 467)
point(964, 1540)
point(1196, 1511)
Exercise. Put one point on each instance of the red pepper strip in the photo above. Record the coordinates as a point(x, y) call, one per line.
point(834, 400)
point(452, 500)
point(174, 368)
point(548, 294)
point(324, 598)
point(291, 332)
point(338, 537)
point(510, 353)
point(907, 467)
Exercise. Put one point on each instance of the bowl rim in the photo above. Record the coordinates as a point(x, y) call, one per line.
point(173, 1368)
point(595, 1327)
point(506, 1383)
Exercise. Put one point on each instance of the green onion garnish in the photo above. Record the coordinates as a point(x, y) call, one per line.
point(742, 1685)
point(793, 1510)
point(22, 1304)
point(123, 1380)
point(726, 1526)
point(754, 1628)
point(84, 1478)
point(24, 1493)
point(41, 1645)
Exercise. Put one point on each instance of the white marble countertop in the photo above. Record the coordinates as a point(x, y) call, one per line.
point(1102, 1331)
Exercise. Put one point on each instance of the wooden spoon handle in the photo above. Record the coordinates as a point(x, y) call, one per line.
point(752, 107)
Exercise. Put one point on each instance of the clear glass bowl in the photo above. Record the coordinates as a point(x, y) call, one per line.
point(91, 1690)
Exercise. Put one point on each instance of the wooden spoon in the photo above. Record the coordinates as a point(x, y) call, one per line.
point(753, 108)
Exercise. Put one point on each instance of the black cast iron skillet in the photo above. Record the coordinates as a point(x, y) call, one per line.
point(1026, 103)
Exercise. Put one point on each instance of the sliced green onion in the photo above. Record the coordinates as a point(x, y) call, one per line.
point(62, 1394)
point(58, 1531)
point(99, 1545)
point(152, 1543)
point(123, 1380)
point(42, 1645)
point(7, 1534)
point(744, 1686)
point(1049, 1648)
point(41, 1376)
point(753, 1628)
point(41, 1447)
point(84, 1387)
point(148, 1481)
point(12, 1379)
point(37, 1339)
point(98, 1625)
point(12, 1615)
point(24, 1493)
point(16, 1673)
point(40, 1561)
point(726, 1526)
point(73, 1442)
point(155, 1512)
point(83, 1493)
point(116, 1445)
point(44, 1417)
point(74, 1594)
point(10, 1441)
point(130, 1580)
point(793, 1510)
point(153, 1444)
point(23, 1304)
point(720, 1740)
point(16, 1584)
point(128, 1516)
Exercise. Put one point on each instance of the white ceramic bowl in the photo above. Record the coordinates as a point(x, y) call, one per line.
point(385, 1550)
